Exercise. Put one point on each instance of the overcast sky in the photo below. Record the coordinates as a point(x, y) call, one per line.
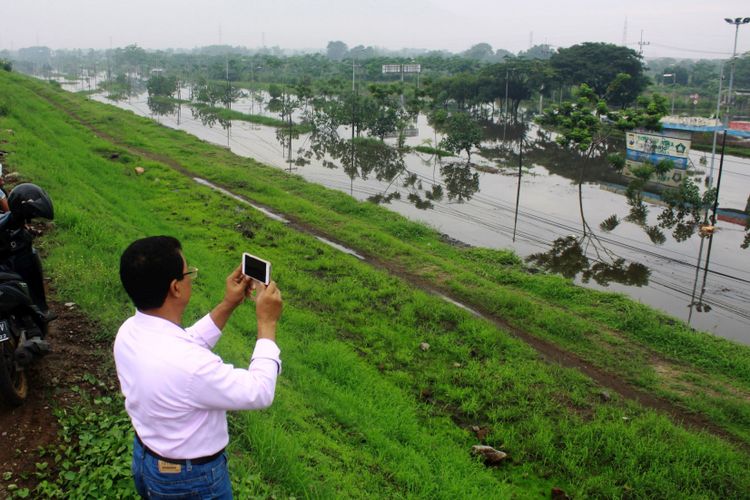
point(686, 28)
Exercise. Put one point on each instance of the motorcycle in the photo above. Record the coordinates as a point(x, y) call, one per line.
point(24, 315)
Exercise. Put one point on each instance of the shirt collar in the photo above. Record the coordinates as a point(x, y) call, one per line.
point(157, 324)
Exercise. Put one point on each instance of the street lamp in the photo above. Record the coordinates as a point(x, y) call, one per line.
point(737, 22)
point(674, 82)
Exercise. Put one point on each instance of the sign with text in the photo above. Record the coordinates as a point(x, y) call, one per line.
point(648, 147)
point(653, 147)
point(402, 68)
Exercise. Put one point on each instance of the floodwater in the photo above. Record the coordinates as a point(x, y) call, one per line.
point(477, 207)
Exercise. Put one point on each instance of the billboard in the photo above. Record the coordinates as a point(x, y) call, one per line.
point(654, 147)
point(398, 68)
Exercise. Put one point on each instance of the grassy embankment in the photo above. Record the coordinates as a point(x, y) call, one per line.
point(647, 348)
point(361, 410)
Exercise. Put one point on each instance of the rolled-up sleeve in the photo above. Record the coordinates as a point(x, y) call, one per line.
point(216, 385)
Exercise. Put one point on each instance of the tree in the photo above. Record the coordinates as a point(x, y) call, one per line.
point(703, 72)
point(159, 85)
point(384, 115)
point(462, 134)
point(742, 72)
point(337, 50)
point(598, 65)
point(543, 51)
point(480, 52)
point(160, 89)
point(131, 57)
point(360, 52)
point(682, 75)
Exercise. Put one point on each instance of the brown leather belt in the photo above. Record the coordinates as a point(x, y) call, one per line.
point(179, 461)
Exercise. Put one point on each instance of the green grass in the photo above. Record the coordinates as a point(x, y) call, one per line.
point(361, 411)
point(231, 114)
point(550, 307)
point(433, 151)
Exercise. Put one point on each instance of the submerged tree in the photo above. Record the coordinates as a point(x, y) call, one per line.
point(160, 91)
point(462, 134)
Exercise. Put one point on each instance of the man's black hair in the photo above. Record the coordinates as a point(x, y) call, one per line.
point(147, 268)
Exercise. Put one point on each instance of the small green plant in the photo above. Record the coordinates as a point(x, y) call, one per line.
point(95, 438)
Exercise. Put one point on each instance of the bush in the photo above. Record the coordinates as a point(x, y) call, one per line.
point(6, 65)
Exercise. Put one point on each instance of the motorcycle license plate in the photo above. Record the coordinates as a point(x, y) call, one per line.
point(4, 331)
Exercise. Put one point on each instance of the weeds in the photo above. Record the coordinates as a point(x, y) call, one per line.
point(361, 410)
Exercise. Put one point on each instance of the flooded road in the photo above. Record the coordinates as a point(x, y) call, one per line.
point(653, 268)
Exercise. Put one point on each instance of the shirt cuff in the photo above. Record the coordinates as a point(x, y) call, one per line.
point(267, 349)
point(205, 330)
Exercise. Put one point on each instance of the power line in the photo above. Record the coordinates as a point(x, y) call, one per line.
point(540, 220)
point(697, 51)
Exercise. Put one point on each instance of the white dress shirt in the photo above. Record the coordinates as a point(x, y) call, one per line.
point(177, 391)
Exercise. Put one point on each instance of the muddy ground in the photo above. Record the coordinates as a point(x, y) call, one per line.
point(54, 382)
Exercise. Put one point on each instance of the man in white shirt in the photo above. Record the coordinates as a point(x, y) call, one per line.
point(177, 391)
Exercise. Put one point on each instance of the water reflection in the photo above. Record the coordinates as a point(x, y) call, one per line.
point(365, 157)
point(568, 257)
point(461, 181)
point(161, 106)
point(549, 210)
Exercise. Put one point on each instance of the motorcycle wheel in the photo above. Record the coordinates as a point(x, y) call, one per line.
point(14, 386)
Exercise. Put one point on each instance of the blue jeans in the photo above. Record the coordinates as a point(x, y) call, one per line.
point(205, 481)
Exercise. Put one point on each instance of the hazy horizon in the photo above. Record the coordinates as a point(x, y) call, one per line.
point(687, 29)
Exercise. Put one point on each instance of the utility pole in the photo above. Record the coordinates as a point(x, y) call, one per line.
point(674, 82)
point(228, 95)
point(716, 131)
point(737, 22)
point(505, 102)
point(518, 188)
point(541, 98)
point(641, 43)
point(402, 86)
point(354, 101)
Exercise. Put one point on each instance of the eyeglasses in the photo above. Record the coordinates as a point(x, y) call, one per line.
point(191, 271)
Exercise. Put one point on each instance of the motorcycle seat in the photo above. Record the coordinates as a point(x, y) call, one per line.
point(6, 276)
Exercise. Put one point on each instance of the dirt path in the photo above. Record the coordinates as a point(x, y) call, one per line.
point(548, 351)
point(51, 385)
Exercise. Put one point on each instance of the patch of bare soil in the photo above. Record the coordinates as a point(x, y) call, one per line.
point(54, 382)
